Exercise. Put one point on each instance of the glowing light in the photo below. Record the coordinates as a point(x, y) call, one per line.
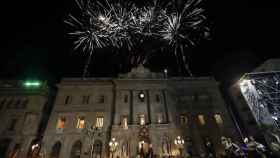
point(32, 83)
point(101, 18)
point(142, 95)
point(244, 83)
point(274, 118)
point(34, 146)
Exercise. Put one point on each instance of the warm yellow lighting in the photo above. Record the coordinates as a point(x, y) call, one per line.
point(218, 119)
point(201, 119)
point(80, 123)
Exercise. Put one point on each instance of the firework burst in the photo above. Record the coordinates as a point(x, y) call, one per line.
point(119, 25)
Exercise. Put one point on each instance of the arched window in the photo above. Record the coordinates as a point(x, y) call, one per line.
point(76, 150)
point(55, 150)
point(97, 148)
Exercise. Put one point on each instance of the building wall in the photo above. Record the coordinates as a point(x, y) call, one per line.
point(171, 98)
point(22, 107)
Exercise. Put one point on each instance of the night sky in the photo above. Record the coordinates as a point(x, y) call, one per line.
point(36, 45)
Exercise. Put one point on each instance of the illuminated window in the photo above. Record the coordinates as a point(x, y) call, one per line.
point(183, 119)
point(159, 118)
point(99, 122)
point(218, 119)
point(126, 98)
point(68, 99)
point(142, 119)
point(85, 99)
point(124, 122)
point(81, 123)
point(60, 123)
point(201, 119)
point(101, 99)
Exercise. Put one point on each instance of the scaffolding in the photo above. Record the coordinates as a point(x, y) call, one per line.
point(261, 91)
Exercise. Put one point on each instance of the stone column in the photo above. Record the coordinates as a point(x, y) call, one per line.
point(131, 107)
point(165, 106)
point(148, 107)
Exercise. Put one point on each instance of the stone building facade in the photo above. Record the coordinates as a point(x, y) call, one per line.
point(21, 113)
point(142, 111)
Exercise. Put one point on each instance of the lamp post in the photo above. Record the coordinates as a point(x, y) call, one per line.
point(179, 142)
point(35, 150)
point(113, 146)
point(165, 73)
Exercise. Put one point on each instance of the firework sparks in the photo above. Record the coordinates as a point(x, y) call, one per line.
point(120, 25)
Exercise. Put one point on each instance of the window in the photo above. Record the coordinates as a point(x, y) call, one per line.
point(159, 118)
point(68, 99)
point(9, 104)
point(61, 123)
point(142, 119)
point(30, 121)
point(76, 150)
point(101, 99)
point(124, 122)
point(2, 103)
point(183, 119)
point(80, 123)
point(201, 119)
point(126, 98)
point(12, 125)
point(218, 119)
point(85, 99)
point(24, 103)
point(99, 122)
point(157, 98)
point(16, 104)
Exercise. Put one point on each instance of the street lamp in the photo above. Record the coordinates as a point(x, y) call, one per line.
point(179, 142)
point(113, 146)
point(35, 149)
point(165, 73)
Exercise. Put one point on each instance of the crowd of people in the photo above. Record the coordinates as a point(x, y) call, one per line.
point(250, 148)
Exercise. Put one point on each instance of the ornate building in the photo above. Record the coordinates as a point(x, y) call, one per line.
point(21, 117)
point(137, 113)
